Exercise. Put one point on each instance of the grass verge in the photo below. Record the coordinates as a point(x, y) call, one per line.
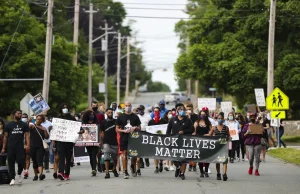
point(287, 154)
point(291, 139)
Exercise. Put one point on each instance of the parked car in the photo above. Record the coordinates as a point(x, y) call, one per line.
point(176, 97)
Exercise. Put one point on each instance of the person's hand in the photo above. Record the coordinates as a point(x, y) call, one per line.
point(127, 130)
point(2, 152)
point(180, 132)
point(248, 131)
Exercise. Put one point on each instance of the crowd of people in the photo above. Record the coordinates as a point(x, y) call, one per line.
point(23, 140)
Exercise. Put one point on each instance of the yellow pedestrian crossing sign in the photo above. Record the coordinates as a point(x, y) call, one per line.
point(277, 100)
point(278, 115)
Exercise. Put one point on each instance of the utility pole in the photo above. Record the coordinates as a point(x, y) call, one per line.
point(106, 62)
point(196, 93)
point(118, 68)
point(76, 26)
point(127, 69)
point(188, 81)
point(91, 12)
point(48, 48)
point(271, 47)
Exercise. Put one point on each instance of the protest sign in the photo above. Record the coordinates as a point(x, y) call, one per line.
point(38, 105)
point(157, 129)
point(210, 103)
point(256, 128)
point(260, 96)
point(233, 130)
point(65, 130)
point(90, 137)
point(211, 149)
point(226, 108)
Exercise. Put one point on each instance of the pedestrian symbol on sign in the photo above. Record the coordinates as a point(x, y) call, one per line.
point(277, 100)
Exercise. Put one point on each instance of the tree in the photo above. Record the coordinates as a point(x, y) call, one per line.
point(157, 87)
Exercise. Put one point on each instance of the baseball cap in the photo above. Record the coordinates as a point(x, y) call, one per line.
point(141, 107)
point(162, 102)
point(204, 108)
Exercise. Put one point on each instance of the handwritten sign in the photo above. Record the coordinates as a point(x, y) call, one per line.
point(157, 129)
point(38, 105)
point(65, 130)
point(89, 137)
point(260, 96)
point(210, 103)
point(226, 108)
point(234, 132)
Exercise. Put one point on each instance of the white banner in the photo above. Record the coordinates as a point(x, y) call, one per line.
point(65, 130)
point(260, 96)
point(157, 129)
point(234, 132)
point(210, 103)
point(81, 159)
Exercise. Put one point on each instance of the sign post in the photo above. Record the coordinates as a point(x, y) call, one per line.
point(277, 102)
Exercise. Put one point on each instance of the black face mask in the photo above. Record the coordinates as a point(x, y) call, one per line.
point(114, 108)
point(252, 120)
point(162, 106)
point(141, 112)
point(95, 109)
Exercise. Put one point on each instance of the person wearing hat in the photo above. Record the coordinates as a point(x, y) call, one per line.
point(144, 118)
point(253, 144)
point(162, 108)
point(180, 124)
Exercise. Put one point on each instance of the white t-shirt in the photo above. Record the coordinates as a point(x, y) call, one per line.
point(213, 122)
point(47, 124)
point(144, 121)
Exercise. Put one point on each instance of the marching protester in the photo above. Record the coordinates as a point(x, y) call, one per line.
point(126, 123)
point(281, 132)
point(180, 125)
point(169, 163)
point(89, 117)
point(48, 153)
point(235, 146)
point(264, 141)
point(253, 145)
point(13, 140)
point(163, 109)
point(157, 120)
point(144, 118)
point(241, 120)
point(37, 151)
point(2, 156)
point(118, 140)
point(202, 128)
point(29, 122)
point(114, 106)
point(223, 131)
point(110, 143)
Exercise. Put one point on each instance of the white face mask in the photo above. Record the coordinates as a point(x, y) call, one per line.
point(24, 120)
point(170, 116)
point(128, 109)
point(189, 111)
point(65, 110)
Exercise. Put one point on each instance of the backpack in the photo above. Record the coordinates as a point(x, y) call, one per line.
point(4, 175)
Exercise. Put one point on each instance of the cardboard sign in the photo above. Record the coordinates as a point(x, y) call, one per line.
point(256, 129)
point(210, 103)
point(157, 129)
point(65, 130)
point(260, 97)
point(90, 137)
point(38, 105)
point(234, 132)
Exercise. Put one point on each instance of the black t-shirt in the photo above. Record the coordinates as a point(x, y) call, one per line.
point(35, 139)
point(266, 121)
point(109, 129)
point(194, 118)
point(132, 120)
point(175, 125)
point(160, 122)
point(16, 132)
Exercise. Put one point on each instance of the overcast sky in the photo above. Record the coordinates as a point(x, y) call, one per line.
point(159, 41)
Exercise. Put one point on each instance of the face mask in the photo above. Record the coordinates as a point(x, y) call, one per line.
point(252, 120)
point(95, 109)
point(248, 117)
point(202, 117)
point(24, 120)
point(230, 118)
point(181, 113)
point(91, 117)
point(141, 112)
point(114, 108)
point(128, 109)
point(220, 121)
point(65, 110)
point(156, 114)
point(189, 111)
point(162, 107)
point(170, 116)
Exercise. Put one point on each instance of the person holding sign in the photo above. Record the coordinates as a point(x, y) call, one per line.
point(253, 134)
point(157, 121)
point(202, 128)
point(223, 131)
point(180, 124)
point(127, 123)
point(234, 130)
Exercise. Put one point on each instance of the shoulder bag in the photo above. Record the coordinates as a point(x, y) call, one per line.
point(45, 144)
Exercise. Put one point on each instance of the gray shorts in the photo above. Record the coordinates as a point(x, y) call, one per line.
point(110, 152)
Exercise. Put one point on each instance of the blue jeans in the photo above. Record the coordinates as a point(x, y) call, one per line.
point(51, 153)
point(281, 132)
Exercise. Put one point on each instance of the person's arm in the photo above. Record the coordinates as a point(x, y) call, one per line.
point(195, 128)
point(27, 137)
point(211, 132)
point(46, 135)
point(246, 130)
point(190, 127)
point(169, 129)
point(210, 129)
point(4, 142)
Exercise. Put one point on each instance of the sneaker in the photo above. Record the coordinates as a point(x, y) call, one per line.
point(238, 159)
point(177, 172)
point(231, 160)
point(182, 176)
point(116, 174)
point(166, 168)
point(206, 174)
point(194, 168)
point(94, 172)
point(35, 178)
point(42, 177)
point(243, 159)
point(160, 167)
point(142, 165)
point(55, 175)
point(67, 177)
point(26, 174)
point(257, 173)
point(12, 182)
point(202, 175)
point(209, 171)
point(250, 171)
point(139, 172)
point(71, 164)
point(219, 177)
point(126, 175)
point(107, 176)
point(156, 171)
point(172, 168)
point(61, 176)
point(190, 168)
point(78, 163)
point(225, 177)
point(20, 179)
